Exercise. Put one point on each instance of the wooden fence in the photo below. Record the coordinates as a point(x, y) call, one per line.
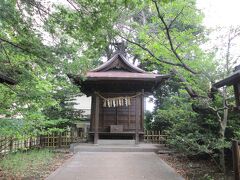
point(236, 159)
point(64, 139)
point(155, 137)
point(9, 144)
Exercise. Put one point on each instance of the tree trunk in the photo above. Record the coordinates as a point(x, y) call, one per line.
point(223, 125)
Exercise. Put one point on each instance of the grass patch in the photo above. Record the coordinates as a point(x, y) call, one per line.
point(27, 164)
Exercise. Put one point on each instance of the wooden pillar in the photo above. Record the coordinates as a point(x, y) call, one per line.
point(237, 94)
point(235, 157)
point(142, 110)
point(96, 119)
point(137, 120)
point(92, 113)
point(128, 117)
point(116, 115)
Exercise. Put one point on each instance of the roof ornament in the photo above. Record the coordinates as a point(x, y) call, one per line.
point(120, 48)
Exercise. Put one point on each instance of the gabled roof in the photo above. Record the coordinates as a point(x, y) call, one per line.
point(118, 61)
point(117, 75)
point(118, 68)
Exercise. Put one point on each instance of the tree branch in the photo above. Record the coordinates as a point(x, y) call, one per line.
point(5, 52)
point(188, 88)
point(21, 48)
point(151, 53)
point(168, 35)
point(175, 18)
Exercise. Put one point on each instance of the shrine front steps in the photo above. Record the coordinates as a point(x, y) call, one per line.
point(142, 147)
point(116, 142)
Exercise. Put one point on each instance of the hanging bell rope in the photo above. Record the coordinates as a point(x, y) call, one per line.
point(117, 101)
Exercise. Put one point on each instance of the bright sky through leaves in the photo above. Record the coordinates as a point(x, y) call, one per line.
point(220, 12)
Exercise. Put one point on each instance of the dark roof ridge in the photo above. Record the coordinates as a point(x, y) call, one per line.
point(114, 58)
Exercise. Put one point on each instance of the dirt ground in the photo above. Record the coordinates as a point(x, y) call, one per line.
point(194, 168)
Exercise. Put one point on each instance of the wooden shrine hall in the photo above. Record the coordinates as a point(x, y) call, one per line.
point(118, 89)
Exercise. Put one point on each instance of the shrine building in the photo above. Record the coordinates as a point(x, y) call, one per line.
point(118, 89)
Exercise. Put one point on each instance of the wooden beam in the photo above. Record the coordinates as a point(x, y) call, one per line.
point(96, 124)
point(235, 152)
point(237, 94)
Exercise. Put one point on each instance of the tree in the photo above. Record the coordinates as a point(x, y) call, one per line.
point(39, 64)
point(226, 53)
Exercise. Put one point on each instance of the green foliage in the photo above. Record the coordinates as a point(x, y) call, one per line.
point(39, 63)
point(148, 120)
point(11, 127)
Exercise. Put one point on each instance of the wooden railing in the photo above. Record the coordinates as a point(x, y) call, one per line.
point(236, 159)
point(10, 144)
point(155, 137)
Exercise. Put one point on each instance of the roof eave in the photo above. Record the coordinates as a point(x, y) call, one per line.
point(228, 81)
point(156, 78)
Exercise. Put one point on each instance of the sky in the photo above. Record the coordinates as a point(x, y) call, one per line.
point(220, 12)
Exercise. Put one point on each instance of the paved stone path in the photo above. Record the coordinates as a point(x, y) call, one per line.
point(115, 166)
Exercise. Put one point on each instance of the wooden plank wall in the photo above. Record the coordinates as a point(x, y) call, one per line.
point(124, 115)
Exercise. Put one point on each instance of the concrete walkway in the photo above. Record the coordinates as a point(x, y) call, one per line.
point(115, 166)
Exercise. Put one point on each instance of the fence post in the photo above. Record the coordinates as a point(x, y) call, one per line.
point(235, 152)
point(41, 141)
point(59, 139)
point(25, 143)
point(71, 136)
point(11, 144)
point(159, 137)
point(30, 142)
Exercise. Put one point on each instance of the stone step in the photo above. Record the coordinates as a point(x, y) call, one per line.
point(85, 147)
point(116, 142)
